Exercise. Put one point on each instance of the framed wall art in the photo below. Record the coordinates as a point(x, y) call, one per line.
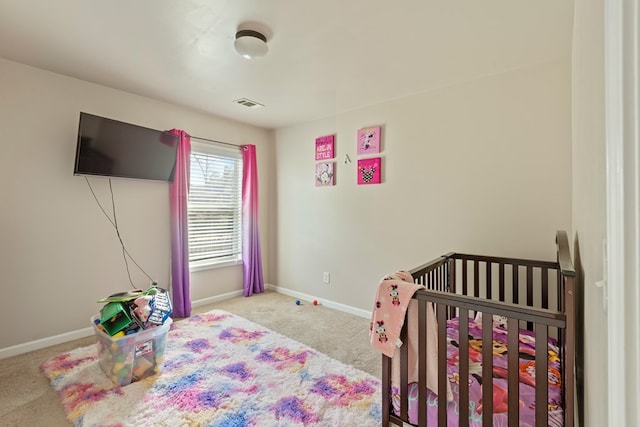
point(369, 140)
point(325, 174)
point(369, 171)
point(325, 147)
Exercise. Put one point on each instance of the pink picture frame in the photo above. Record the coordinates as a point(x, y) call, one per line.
point(369, 140)
point(325, 146)
point(370, 171)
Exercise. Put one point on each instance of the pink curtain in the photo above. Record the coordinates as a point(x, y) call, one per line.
point(178, 194)
point(251, 257)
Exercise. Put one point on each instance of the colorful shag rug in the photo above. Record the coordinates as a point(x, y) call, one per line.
point(220, 370)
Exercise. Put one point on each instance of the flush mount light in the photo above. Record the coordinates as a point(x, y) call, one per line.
point(251, 44)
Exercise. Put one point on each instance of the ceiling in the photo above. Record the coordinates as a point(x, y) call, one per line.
point(325, 57)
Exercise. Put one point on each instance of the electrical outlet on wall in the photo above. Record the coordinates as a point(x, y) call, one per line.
point(326, 278)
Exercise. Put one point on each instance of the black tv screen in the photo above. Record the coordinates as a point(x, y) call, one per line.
point(108, 147)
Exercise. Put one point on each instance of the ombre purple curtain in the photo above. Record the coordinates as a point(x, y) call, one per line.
point(178, 195)
point(251, 256)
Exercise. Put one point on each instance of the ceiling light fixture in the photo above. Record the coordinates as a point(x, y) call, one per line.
point(251, 44)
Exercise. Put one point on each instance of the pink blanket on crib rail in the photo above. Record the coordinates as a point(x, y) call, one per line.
point(394, 302)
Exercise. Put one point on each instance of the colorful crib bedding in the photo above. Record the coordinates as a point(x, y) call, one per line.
point(527, 379)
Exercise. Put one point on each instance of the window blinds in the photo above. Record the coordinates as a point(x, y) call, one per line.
point(215, 205)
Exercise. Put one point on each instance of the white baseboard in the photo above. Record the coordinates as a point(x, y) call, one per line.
point(327, 303)
point(14, 350)
point(217, 298)
point(86, 332)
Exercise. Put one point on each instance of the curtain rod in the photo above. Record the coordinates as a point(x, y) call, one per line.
point(217, 142)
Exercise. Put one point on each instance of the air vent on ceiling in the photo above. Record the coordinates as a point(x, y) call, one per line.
point(248, 103)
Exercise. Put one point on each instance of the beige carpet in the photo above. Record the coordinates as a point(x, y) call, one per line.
point(26, 398)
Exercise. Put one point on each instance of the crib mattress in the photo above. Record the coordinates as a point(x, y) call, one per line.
point(526, 350)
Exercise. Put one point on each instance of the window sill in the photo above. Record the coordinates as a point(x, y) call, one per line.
point(210, 266)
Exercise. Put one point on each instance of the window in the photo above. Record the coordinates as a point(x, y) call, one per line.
point(214, 206)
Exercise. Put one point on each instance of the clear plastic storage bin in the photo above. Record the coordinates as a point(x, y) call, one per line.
point(132, 357)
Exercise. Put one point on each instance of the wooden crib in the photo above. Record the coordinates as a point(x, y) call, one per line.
point(537, 298)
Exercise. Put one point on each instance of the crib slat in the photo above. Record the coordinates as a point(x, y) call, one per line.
point(515, 298)
point(422, 363)
point(501, 282)
point(560, 292)
point(404, 363)
point(451, 265)
point(386, 392)
point(542, 369)
point(513, 372)
point(488, 284)
point(476, 279)
point(442, 365)
point(487, 370)
point(451, 285)
point(529, 286)
point(463, 367)
point(464, 277)
point(529, 293)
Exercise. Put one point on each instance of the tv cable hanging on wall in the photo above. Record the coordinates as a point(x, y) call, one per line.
point(114, 223)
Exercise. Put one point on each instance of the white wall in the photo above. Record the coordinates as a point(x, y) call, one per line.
point(589, 202)
point(58, 254)
point(483, 166)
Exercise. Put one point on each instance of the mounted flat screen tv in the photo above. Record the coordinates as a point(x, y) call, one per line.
point(111, 148)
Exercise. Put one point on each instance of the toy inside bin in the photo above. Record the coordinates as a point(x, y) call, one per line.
point(132, 357)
